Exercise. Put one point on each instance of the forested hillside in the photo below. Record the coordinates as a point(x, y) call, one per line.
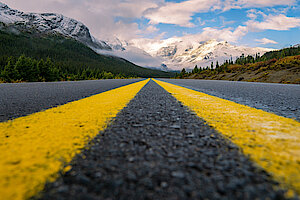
point(69, 59)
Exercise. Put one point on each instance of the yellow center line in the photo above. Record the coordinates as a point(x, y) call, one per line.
point(34, 148)
point(272, 141)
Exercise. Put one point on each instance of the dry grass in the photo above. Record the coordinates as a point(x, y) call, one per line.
point(285, 70)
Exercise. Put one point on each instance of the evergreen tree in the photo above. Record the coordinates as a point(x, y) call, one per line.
point(24, 67)
point(217, 65)
point(55, 73)
point(9, 74)
point(182, 73)
point(108, 75)
point(43, 71)
point(195, 70)
point(83, 75)
point(49, 66)
point(34, 70)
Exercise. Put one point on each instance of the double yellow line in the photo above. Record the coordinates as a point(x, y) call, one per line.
point(34, 148)
point(271, 141)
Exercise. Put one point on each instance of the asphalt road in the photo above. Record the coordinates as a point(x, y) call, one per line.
point(157, 149)
point(281, 99)
point(19, 99)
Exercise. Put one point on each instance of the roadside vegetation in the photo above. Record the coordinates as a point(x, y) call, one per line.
point(27, 56)
point(281, 66)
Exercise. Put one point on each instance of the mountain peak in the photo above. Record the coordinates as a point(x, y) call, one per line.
point(215, 42)
point(188, 53)
point(50, 23)
point(212, 41)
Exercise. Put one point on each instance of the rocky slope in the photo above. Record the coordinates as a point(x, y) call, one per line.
point(49, 23)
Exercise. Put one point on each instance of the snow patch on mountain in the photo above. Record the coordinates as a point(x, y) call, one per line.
point(8, 15)
point(50, 23)
point(190, 51)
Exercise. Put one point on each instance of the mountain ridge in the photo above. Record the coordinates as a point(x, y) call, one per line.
point(172, 53)
point(190, 52)
point(49, 23)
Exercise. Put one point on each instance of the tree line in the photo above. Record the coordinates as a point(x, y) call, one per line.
point(243, 60)
point(26, 69)
point(68, 55)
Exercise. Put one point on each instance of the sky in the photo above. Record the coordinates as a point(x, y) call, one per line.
point(264, 23)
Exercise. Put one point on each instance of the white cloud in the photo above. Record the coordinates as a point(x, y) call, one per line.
point(274, 22)
point(253, 14)
point(264, 3)
point(200, 21)
point(225, 22)
point(179, 13)
point(226, 34)
point(151, 29)
point(270, 22)
point(266, 41)
point(209, 33)
point(182, 13)
point(237, 4)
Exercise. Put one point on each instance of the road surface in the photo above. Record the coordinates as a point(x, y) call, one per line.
point(153, 140)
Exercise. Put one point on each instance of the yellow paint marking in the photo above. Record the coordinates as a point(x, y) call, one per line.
point(33, 149)
point(272, 141)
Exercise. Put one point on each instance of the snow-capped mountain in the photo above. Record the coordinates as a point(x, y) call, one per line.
point(173, 53)
point(49, 23)
point(188, 52)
